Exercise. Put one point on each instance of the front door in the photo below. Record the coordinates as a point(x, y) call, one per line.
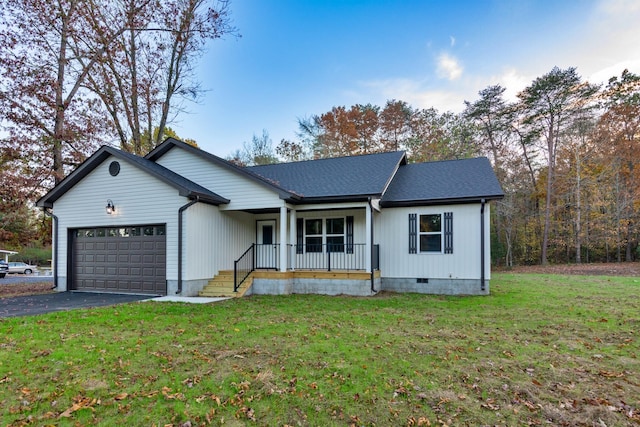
point(266, 248)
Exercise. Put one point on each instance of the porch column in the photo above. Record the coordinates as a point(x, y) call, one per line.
point(369, 237)
point(283, 238)
point(293, 220)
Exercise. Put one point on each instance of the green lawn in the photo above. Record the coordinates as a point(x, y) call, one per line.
point(540, 350)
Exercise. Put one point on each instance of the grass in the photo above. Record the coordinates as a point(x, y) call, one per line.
point(540, 350)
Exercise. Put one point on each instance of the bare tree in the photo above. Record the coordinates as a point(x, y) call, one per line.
point(149, 69)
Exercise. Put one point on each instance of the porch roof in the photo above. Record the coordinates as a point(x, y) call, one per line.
point(335, 178)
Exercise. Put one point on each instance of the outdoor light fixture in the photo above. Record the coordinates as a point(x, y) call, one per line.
point(110, 207)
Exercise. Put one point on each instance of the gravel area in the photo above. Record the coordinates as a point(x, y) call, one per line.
point(12, 279)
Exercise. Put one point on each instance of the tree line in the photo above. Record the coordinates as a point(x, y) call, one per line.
point(566, 153)
point(76, 74)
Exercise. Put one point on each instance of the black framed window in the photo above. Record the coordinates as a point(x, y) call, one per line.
point(332, 232)
point(313, 235)
point(430, 233)
point(335, 234)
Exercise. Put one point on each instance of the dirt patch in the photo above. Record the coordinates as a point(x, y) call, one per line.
point(22, 289)
point(629, 269)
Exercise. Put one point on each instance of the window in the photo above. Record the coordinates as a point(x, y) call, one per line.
point(313, 235)
point(335, 234)
point(430, 233)
point(332, 232)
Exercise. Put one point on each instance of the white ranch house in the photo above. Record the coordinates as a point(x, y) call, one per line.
point(183, 221)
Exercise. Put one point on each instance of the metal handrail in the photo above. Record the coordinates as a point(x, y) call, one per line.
point(329, 257)
point(247, 266)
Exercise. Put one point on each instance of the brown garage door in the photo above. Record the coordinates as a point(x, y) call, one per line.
point(120, 260)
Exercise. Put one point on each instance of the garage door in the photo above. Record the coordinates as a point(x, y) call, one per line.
point(120, 260)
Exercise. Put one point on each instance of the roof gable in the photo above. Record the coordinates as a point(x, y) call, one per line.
point(184, 186)
point(443, 182)
point(170, 143)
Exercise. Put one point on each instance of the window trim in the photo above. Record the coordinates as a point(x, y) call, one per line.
point(446, 233)
point(344, 247)
point(431, 233)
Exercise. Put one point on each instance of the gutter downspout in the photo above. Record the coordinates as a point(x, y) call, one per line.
point(482, 254)
point(373, 289)
point(54, 265)
point(180, 212)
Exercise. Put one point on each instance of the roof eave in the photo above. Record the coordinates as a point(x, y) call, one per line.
point(100, 156)
point(204, 198)
point(334, 199)
point(74, 177)
point(444, 201)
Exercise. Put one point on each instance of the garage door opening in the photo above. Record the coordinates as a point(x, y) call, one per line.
point(119, 259)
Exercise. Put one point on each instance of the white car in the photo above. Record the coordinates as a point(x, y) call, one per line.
point(21, 267)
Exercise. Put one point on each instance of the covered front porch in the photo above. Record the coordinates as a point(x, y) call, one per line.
point(310, 249)
point(316, 261)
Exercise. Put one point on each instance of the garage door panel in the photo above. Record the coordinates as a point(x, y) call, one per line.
point(114, 260)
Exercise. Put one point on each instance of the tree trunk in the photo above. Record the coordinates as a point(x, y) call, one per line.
point(578, 210)
point(547, 207)
point(58, 127)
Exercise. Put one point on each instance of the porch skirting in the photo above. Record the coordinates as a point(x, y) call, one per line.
point(313, 282)
point(435, 286)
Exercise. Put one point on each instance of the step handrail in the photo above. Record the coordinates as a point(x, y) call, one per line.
point(243, 267)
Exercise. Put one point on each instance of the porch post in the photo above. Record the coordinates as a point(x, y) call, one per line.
point(369, 237)
point(283, 238)
point(293, 218)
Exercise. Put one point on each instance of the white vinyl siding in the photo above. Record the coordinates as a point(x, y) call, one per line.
point(139, 199)
point(243, 192)
point(391, 232)
point(214, 239)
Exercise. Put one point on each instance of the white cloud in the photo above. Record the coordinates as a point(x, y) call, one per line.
point(448, 67)
point(514, 82)
point(453, 41)
point(608, 42)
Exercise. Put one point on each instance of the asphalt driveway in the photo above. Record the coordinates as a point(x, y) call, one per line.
point(60, 301)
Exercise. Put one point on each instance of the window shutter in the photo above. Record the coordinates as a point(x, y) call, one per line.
point(413, 233)
point(350, 234)
point(300, 235)
point(448, 232)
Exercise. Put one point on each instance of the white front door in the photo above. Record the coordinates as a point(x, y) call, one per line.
point(266, 248)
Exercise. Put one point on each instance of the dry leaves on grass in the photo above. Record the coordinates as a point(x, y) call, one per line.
point(23, 289)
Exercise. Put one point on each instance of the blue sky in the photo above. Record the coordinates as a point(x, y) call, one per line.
point(297, 58)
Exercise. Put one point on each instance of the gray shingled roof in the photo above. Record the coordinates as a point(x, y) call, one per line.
point(443, 182)
point(184, 186)
point(339, 177)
